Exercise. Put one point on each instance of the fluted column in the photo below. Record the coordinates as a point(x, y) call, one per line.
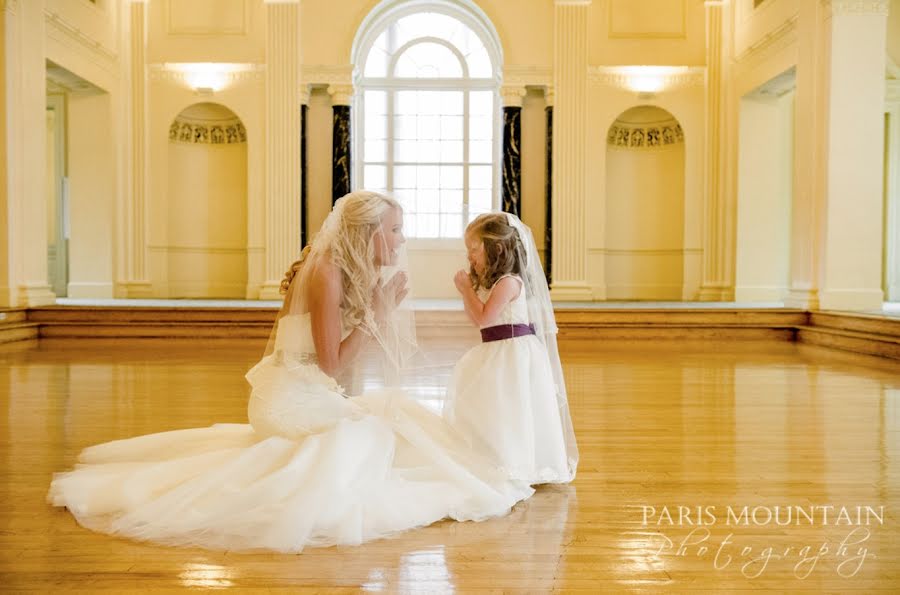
point(135, 279)
point(851, 259)
point(570, 54)
point(341, 98)
point(548, 187)
point(23, 272)
point(282, 142)
point(718, 270)
point(512, 142)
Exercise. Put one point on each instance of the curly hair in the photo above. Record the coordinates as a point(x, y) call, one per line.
point(347, 238)
point(503, 250)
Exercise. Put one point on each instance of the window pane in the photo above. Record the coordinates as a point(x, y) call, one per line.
point(451, 103)
point(428, 127)
point(451, 201)
point(374, 150)
point(405, 150)
point(405, 126)
point(407, 102)
point(427, 226)
point(479, 201)
point(452, 150)
point(428, 151)
point(479, 63)
point(375, 102)
point(481, 103)
point(481, 176)
point(480, 151)
point(377, 62)
point(374, 176)
point(428, 60)
point(404, 177)
point(451, 226)
point(451, 127)
point(452, 177)
point(480, 127)
point(427, 176)
point(376, 127)
point(428, 201)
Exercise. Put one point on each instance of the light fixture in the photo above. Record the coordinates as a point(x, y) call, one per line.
point(207, 77)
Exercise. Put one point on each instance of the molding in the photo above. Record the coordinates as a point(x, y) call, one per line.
point(224, 132)
point(527, 76)
point(211, 250)
point(857, 7)
point(572, 2)
point(892, 91)
point(613, 76)
point(73, 37)
point(772, 42)
point(328, 74)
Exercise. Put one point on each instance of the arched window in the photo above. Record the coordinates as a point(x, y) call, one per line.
point(427, 112)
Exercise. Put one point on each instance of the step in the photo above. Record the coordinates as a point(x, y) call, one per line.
point(848, 340)
point(862, 323)
point(18, 331)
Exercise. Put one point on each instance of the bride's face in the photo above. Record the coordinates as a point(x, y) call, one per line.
point(389, 238)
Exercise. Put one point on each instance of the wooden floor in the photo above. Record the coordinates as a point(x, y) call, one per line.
point(775, 427)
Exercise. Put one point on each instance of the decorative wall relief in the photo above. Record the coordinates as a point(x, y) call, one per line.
point(645, 136)
point(219, 133)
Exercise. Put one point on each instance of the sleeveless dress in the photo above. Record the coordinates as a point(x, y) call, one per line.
point(313, 468)
point(502, 398)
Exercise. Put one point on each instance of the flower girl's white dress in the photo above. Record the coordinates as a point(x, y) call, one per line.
point(312, 468)
point(502, 397)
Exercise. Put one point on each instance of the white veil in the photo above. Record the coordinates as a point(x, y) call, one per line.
point(540, 314)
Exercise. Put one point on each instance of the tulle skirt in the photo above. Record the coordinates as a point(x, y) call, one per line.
point(502, 398)
point(313, 469)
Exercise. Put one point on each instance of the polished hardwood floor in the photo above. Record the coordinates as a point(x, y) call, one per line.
point(705, 466)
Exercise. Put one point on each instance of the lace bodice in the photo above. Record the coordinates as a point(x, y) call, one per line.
point(515, 312)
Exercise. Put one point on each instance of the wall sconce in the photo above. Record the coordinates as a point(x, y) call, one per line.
point(206, 78)
point(647, 81)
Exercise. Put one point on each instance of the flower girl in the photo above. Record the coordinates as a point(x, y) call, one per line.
point(507, 395)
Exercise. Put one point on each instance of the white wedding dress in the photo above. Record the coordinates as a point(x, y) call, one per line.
point(313, 468)
point(503, 399)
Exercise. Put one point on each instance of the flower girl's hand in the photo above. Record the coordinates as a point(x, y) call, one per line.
point(462, 281)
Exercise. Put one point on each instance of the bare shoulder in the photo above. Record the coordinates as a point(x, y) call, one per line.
point(325, 279)
point(507, 288)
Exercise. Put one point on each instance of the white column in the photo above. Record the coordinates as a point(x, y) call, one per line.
point(570, 55)
point(282, 242)
point(25, 261)
point(134, 281)
point(718, 254)
point(851, 266)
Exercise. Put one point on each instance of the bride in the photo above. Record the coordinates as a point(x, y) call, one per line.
point(313, 467)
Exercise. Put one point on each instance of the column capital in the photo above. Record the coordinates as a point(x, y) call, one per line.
point(341, 93)
point(512, 95)
point(304, 93)
point(549, 95)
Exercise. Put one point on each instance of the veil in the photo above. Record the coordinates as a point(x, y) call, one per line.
point(392, 341)
point(540, 314)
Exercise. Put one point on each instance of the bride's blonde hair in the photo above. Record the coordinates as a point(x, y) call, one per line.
point(347, 237)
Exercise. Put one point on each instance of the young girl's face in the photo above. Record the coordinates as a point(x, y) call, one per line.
point(475, 253)
point(389, 238)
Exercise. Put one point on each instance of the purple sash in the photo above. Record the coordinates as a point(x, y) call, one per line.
point(506, 331)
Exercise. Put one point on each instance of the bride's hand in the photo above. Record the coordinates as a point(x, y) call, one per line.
point(462, 281)
point(389, 295)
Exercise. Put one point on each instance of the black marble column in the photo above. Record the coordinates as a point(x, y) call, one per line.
point(512, 160)
point(548, 193)
point(304, 114)
point(340, 154)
